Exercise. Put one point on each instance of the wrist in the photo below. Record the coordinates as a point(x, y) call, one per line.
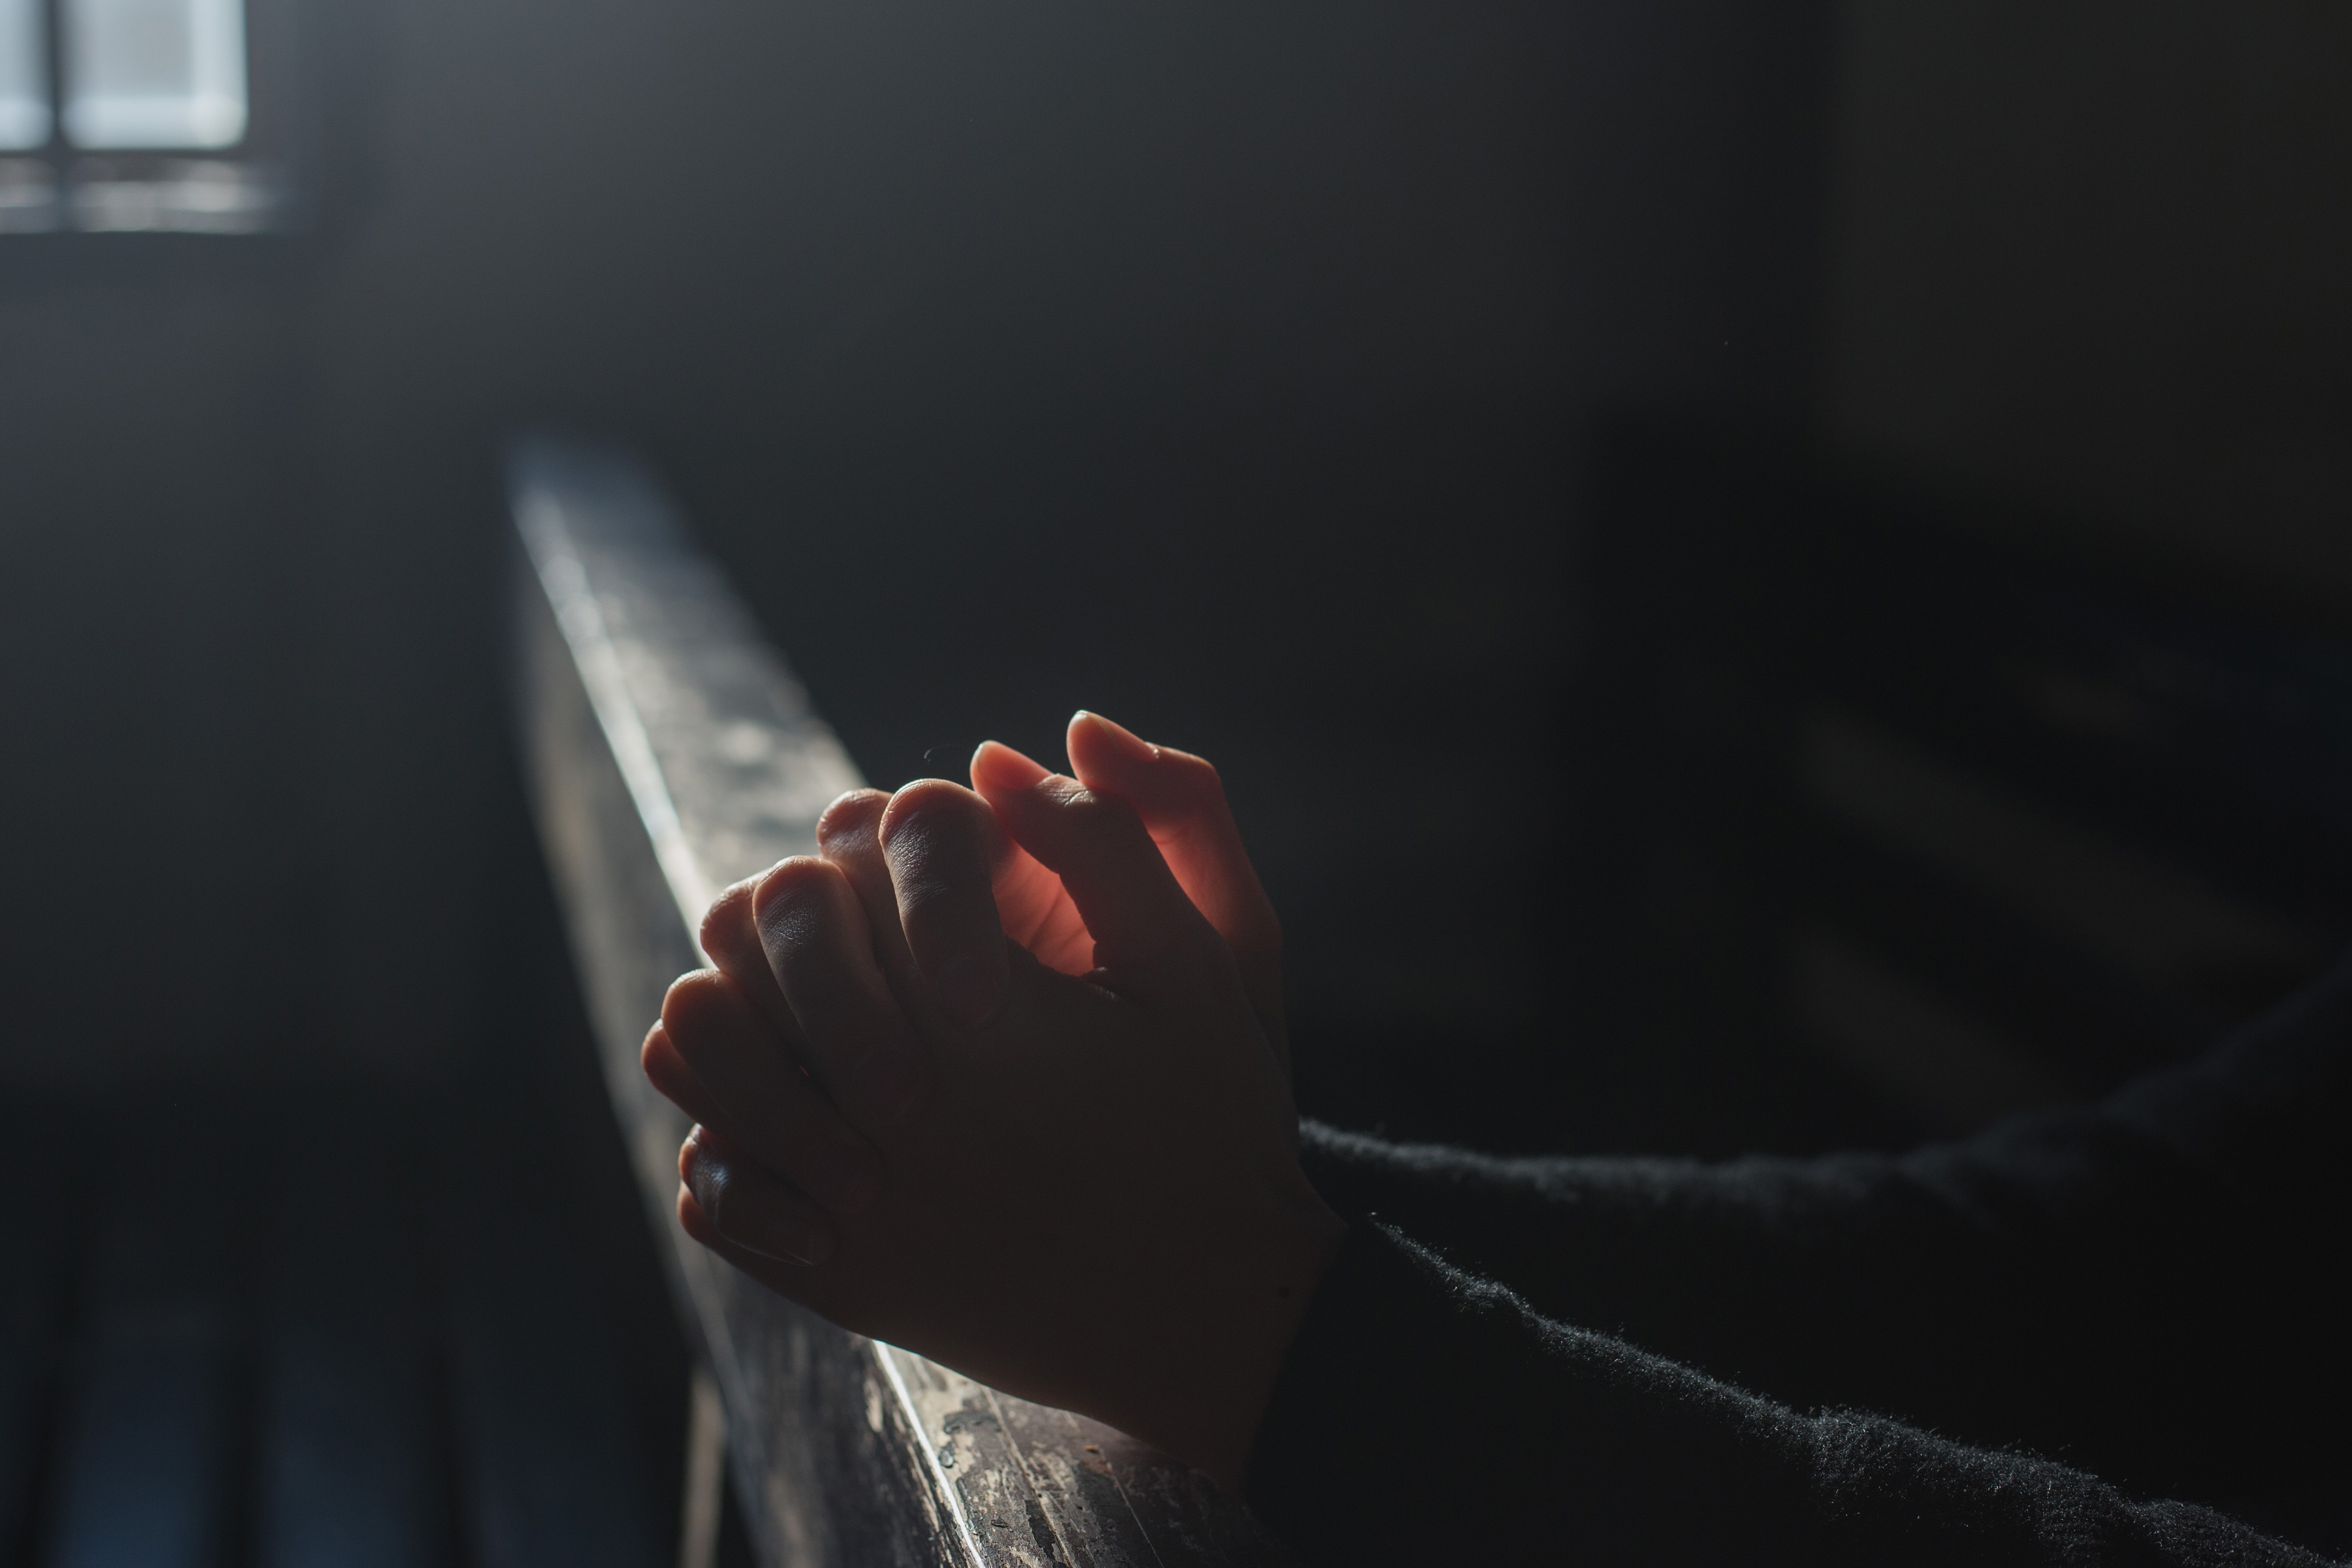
point(1214, 1404)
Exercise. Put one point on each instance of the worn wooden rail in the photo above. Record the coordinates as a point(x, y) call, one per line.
point(670, 751)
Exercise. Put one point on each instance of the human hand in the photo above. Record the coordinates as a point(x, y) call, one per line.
point(1182, 802)
point(1079, 1188)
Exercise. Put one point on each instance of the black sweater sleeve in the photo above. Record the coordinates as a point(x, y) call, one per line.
point(1426, 1416)
point(2143, 1285)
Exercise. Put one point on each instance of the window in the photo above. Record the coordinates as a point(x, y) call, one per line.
point(23, 90)
point(154, 73)
point(121, 115)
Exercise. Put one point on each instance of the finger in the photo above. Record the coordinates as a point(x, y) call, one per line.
point(1182, 803)
point(668, 1073)
point(848, 835)
point(941, 841)
point(856, 1039)
point(1035, 910)
point(744, 1204)
point(730, 937)
point(808, 1284)
point(1144, 924)
point(760, 1098)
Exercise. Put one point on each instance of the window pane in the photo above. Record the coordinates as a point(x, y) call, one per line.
point(154, 73)
point(24, 93)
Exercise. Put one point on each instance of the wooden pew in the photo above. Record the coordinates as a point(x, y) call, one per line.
point(669, 752)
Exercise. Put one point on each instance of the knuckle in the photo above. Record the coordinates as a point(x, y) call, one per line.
point(794, 875)
point(926, 807)
point(851, 815)
point(808, 969)
point(693, 1002)
point(790, 887)
point(729, 917)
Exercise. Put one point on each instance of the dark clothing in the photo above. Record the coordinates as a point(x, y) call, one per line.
point(1997, 1351)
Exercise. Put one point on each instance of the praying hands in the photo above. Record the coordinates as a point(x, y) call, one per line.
point(1000, 1076)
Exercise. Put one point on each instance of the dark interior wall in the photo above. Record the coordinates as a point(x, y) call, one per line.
point(1221, 369)
point(1229, 371)
point(2091, 257)
point(153, 632)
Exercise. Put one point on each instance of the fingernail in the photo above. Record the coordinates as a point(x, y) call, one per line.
point(1008, 768)
point(970, 988)
point(888, 1080)
point(841, 1178)
point(794, 1240)
point(693, 1168)
point(1127, 739)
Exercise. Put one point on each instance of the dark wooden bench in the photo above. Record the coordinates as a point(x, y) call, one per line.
point(670, 753)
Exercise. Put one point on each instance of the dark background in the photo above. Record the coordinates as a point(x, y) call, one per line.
point(1221, 369)
point(1308, 385)
point(1233, 372)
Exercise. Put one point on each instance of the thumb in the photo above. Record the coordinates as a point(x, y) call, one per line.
point(1183, 805)
point(1144, 928)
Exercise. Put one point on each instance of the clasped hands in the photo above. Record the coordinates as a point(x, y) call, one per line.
point(1000, 1076)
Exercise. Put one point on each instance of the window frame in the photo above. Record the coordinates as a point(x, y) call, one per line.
point(249, 186)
